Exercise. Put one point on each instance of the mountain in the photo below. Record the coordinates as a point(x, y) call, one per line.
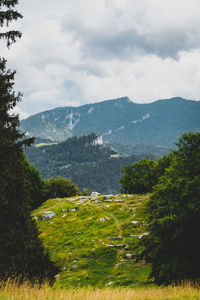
point(119, 120)
point(85, 159)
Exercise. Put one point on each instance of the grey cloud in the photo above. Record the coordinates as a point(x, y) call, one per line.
point(124, 44)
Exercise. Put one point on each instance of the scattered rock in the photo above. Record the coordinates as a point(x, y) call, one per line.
point(129, 255)
point(115, 238)
point(109, 196)
point(71, 209)
point(109, 283)
point(123, 208)
point(95, 194)
point(107, 218)
point(71, 199)
point(102, 220)
point(120, 245)
point(134, 222)
point(107, 205)
point(64, 216)
point(48, 215)
point(110, 245)
point(74, 266)
point(119, 200)
point(84, 197)
point(108, 200)
point(139, 236)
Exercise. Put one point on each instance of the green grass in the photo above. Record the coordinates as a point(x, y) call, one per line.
point(44, 144)
point(78, 242)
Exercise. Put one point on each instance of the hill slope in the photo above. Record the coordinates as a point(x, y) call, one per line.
point(94, 241)
point(119, 120)
point(86, 160)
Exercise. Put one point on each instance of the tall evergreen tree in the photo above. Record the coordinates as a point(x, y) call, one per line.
point(7, 15)
point(21, 252)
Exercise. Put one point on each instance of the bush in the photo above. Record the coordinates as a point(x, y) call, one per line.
point(60, 187)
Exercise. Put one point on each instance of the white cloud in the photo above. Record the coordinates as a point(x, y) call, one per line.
point(75, 52)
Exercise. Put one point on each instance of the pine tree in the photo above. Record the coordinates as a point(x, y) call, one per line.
point(21, 252)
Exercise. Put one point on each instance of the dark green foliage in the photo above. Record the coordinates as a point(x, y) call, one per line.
point(91, 166)
point(173, 245)
point(7, 15)
point(60, 187)
point(21, 252)
point(86, 192)
point(139, 178)
point(35, 185)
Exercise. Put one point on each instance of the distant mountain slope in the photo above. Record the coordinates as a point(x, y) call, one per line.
point(85, 159)
point(119, 120)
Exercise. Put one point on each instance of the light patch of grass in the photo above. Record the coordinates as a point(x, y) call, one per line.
point(44, 144)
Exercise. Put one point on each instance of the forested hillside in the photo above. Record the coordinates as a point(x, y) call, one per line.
point(94, 166)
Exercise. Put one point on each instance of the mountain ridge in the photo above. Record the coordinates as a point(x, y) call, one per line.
point(119, 120)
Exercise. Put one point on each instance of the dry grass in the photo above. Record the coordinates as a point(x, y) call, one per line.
point(13, 291)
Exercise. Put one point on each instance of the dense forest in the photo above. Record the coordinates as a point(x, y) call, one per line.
point(97, 167)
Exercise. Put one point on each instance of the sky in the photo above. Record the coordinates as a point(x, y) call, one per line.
point(84, 51)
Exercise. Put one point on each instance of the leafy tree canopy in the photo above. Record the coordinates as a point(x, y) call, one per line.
point(60, 187)
point(139, 177)
point(173, 244)
point(35, 185)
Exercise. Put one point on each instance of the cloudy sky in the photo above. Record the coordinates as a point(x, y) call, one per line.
point(82, 51)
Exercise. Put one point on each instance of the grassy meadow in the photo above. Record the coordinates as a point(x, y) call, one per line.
point(90, 243)
point(95, 244)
